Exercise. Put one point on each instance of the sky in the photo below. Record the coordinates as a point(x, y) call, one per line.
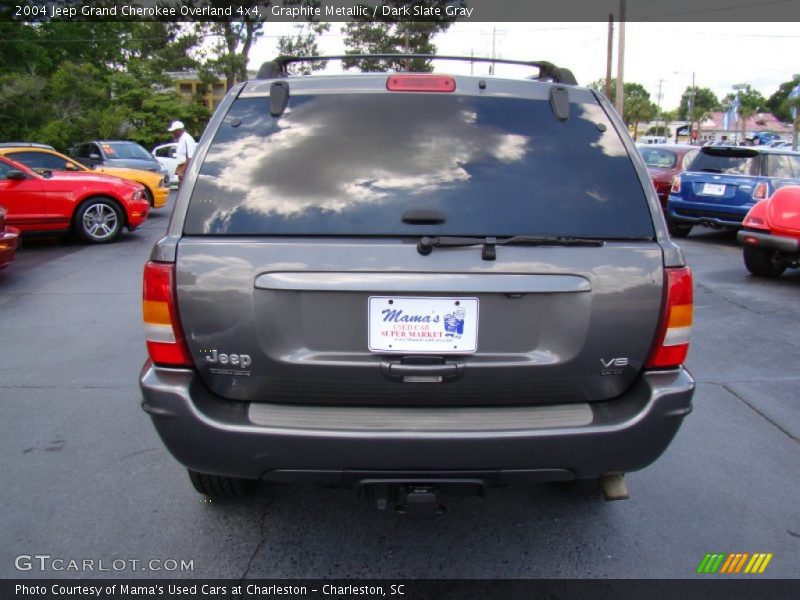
point(719, 54)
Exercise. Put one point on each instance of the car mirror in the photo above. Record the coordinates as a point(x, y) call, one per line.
point(16, 175)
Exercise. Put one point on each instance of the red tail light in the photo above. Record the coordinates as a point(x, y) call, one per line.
point(672, 343)
point(676, 185)
point(421, 83)
point(761, 191)
point(165, 341)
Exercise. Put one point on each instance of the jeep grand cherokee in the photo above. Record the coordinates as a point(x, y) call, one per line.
point(406, 282)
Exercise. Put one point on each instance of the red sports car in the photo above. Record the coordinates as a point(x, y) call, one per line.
point(664, 161)
point(771, 233)
point(96, 207)
point(9, 240)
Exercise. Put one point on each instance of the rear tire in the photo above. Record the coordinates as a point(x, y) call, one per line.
point(98, 221)
point(678, 229)
point(762, 262)
point(220, 487)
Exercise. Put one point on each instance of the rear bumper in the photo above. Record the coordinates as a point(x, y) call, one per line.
point(761, 239)
point(702, 213)
point(282, 442)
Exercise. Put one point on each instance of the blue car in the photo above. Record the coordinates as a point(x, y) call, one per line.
point(722, 183)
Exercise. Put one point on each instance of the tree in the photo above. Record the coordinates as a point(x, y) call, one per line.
point(304, 43)
point(777, 102)
point(749, 97)
point(234, 39)
point(705, 101)
point(398, 37)
point(637, 107)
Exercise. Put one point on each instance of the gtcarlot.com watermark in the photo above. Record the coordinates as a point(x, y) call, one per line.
point(46, 563)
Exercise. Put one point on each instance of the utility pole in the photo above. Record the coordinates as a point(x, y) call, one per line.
point(609, 54)
point(494, 35)
point(658, 108)
point(621, 60)
point(691, 113)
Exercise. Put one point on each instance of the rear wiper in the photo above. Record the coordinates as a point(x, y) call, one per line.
point(426, 244)
point(711, 170)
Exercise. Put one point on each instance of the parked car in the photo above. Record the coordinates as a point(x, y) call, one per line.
point(94, 206)
point(664, 161)
point(9, 240)
point(165, 154)
point(724, 182)
point(116, 153)
point(771, 234)
point(41, 159)
point(407, 287)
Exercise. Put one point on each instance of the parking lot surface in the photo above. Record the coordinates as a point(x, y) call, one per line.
point(85, 476)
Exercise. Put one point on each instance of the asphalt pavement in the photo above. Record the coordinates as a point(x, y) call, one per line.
point(85, 476)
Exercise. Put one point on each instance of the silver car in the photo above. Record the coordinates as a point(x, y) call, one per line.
point(412, 284)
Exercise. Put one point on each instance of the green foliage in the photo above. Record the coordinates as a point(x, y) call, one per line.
point(661, 130)
point(398, 37)
point(304, 43)
point(65, 82)
point(750, 100)
point(705, 101)
point(779, 103)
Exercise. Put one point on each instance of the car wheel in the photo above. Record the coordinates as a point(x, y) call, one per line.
point(149, 197)
point(678, 229)
point(220, 487)
point(762, 262)
point(98, 220)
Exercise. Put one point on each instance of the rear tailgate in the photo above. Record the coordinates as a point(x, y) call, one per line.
point(708, 188)
point(299, 276)
point(553, 324)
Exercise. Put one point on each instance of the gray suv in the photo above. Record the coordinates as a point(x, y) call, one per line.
point(413, 284)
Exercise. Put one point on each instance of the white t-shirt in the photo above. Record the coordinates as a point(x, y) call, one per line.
point(186, 148)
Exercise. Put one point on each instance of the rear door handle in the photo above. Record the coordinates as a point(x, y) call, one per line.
point(399, 371)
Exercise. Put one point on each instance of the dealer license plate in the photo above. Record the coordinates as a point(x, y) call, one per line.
point(423, 325)
point(713, 189)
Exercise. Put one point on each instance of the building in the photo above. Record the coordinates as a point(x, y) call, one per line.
point(712, 128)
point(188, 84)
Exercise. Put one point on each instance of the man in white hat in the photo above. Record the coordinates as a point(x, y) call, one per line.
point(185, 149)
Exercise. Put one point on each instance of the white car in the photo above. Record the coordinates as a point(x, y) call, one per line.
point(165, 154)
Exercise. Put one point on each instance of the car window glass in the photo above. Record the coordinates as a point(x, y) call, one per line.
point(794, 161)
point(658, 157)
point(39, 160)
point(728, 163)
point(688, 158)
point(126, 150)
point(4, 169)
point(354, 164)
point(778, 165)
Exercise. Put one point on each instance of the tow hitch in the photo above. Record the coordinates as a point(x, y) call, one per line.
point(416, 498)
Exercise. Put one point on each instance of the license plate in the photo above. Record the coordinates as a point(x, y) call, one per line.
point(423, 325)
point(713, 189)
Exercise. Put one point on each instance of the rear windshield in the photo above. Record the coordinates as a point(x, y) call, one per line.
point(658, 157)
point(354, 164)
point(727, 161)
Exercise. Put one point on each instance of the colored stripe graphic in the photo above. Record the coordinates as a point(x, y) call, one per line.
point(732, 563)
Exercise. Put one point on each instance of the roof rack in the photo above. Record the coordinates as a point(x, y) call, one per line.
point(277, 68)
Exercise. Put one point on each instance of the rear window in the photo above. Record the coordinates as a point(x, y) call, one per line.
point(353, 164)
point(658, 157)
point(729, 161)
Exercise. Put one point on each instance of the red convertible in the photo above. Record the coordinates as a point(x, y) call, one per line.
point(95, 207)
point(663, 162)
point(771, 233)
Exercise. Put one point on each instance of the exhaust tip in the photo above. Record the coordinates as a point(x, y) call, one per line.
point(613, 486)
